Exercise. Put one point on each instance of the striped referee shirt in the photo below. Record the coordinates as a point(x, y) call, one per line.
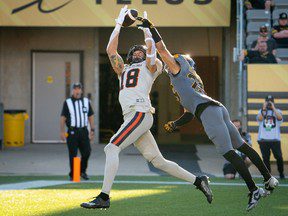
point(77, 111)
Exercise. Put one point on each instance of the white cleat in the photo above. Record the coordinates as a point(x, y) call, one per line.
point(254, 198)
point(270, 185)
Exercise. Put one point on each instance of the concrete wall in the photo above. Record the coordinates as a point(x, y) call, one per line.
point(15, 69)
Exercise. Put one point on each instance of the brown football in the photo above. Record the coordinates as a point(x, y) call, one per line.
point(130, 17)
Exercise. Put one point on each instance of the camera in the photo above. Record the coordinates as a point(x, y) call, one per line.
point(269, 105)
point(269, 99)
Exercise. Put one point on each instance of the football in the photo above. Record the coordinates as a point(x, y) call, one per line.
point(130, 17)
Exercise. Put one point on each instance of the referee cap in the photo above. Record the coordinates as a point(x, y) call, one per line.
point(77, 85)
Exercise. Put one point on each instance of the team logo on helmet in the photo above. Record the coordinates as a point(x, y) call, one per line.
point(130, 58)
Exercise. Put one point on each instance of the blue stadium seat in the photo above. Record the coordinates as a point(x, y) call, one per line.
point(282, 53)
point(279, 4)
point(258, 15)
point(253, 27)
point(283, 62)
point(276, 12)
point(250, 39)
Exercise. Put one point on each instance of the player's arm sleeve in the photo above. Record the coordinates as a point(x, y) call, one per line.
point(90, 112)
point(65, 110)
point(184, 119)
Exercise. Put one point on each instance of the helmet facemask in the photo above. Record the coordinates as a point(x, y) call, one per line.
point(131, 59)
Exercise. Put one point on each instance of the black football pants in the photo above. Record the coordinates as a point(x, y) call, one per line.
point(78, 139)
point(275, 146)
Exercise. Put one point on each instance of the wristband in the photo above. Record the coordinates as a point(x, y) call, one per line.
point(149, 39)
point(117, 27)
point(150, 55)
point(155, 35)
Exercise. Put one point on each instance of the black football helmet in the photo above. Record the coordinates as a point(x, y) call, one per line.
point(134, 48)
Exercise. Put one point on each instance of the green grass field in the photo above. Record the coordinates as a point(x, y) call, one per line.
point(137, 199)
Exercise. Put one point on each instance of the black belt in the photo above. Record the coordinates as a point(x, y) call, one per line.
point(201, 107)
point(77, 128)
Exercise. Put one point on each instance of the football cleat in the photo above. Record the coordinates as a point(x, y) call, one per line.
point(98, 202)
point(270, 185)
point(254, 198)
point(205, 188)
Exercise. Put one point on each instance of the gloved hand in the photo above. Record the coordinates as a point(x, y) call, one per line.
point(122, 15)
point(145, 22)
point(170, 126)
point(144, 29)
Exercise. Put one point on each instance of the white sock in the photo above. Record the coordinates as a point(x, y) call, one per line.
point(111, 166)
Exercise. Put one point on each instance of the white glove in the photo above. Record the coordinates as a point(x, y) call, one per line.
point(122, 15)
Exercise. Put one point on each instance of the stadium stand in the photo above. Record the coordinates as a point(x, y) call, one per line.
point(256, 18)
point(279, 4)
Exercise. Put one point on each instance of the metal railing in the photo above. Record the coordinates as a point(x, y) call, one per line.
point(1, 125)
point(241, 75)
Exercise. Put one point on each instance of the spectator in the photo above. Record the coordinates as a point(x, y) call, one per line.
point(258, 4)
point(260, 56)
point(263, 37)
point(280, 32)
point(269, 119)
point(228, 169)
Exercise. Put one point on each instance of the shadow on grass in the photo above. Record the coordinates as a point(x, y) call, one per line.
point(178, 200)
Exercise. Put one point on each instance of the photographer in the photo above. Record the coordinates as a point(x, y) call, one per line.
point(270, 119)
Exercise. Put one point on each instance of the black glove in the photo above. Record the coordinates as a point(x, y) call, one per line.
point(148, 24)
point(170, 126)
point(145, 23)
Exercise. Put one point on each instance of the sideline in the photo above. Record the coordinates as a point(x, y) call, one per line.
point(46, 183)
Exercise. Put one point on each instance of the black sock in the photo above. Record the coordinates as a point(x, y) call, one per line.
point(256, 160)
point(241, 168)
point(104, 196)
point(197, 182)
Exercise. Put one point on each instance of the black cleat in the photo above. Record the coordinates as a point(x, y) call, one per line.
point(254, 198)
point(98, 202)
point(205, 188)
point(84, 176)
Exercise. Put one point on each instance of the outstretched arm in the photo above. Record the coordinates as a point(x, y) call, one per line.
point(115, 59)
point(151, 56)
point(171, 126)
point(166, 56)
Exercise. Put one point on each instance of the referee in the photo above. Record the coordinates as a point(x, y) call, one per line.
point(76, 113)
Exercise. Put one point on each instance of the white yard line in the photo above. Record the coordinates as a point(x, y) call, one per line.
point(46, 183)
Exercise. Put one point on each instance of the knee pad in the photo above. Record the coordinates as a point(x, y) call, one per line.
point(159, 162)
point(111, 148)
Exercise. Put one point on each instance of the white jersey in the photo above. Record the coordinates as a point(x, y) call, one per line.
point(135, 85)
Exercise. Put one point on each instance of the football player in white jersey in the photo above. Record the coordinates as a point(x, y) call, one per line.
point(136, 80)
